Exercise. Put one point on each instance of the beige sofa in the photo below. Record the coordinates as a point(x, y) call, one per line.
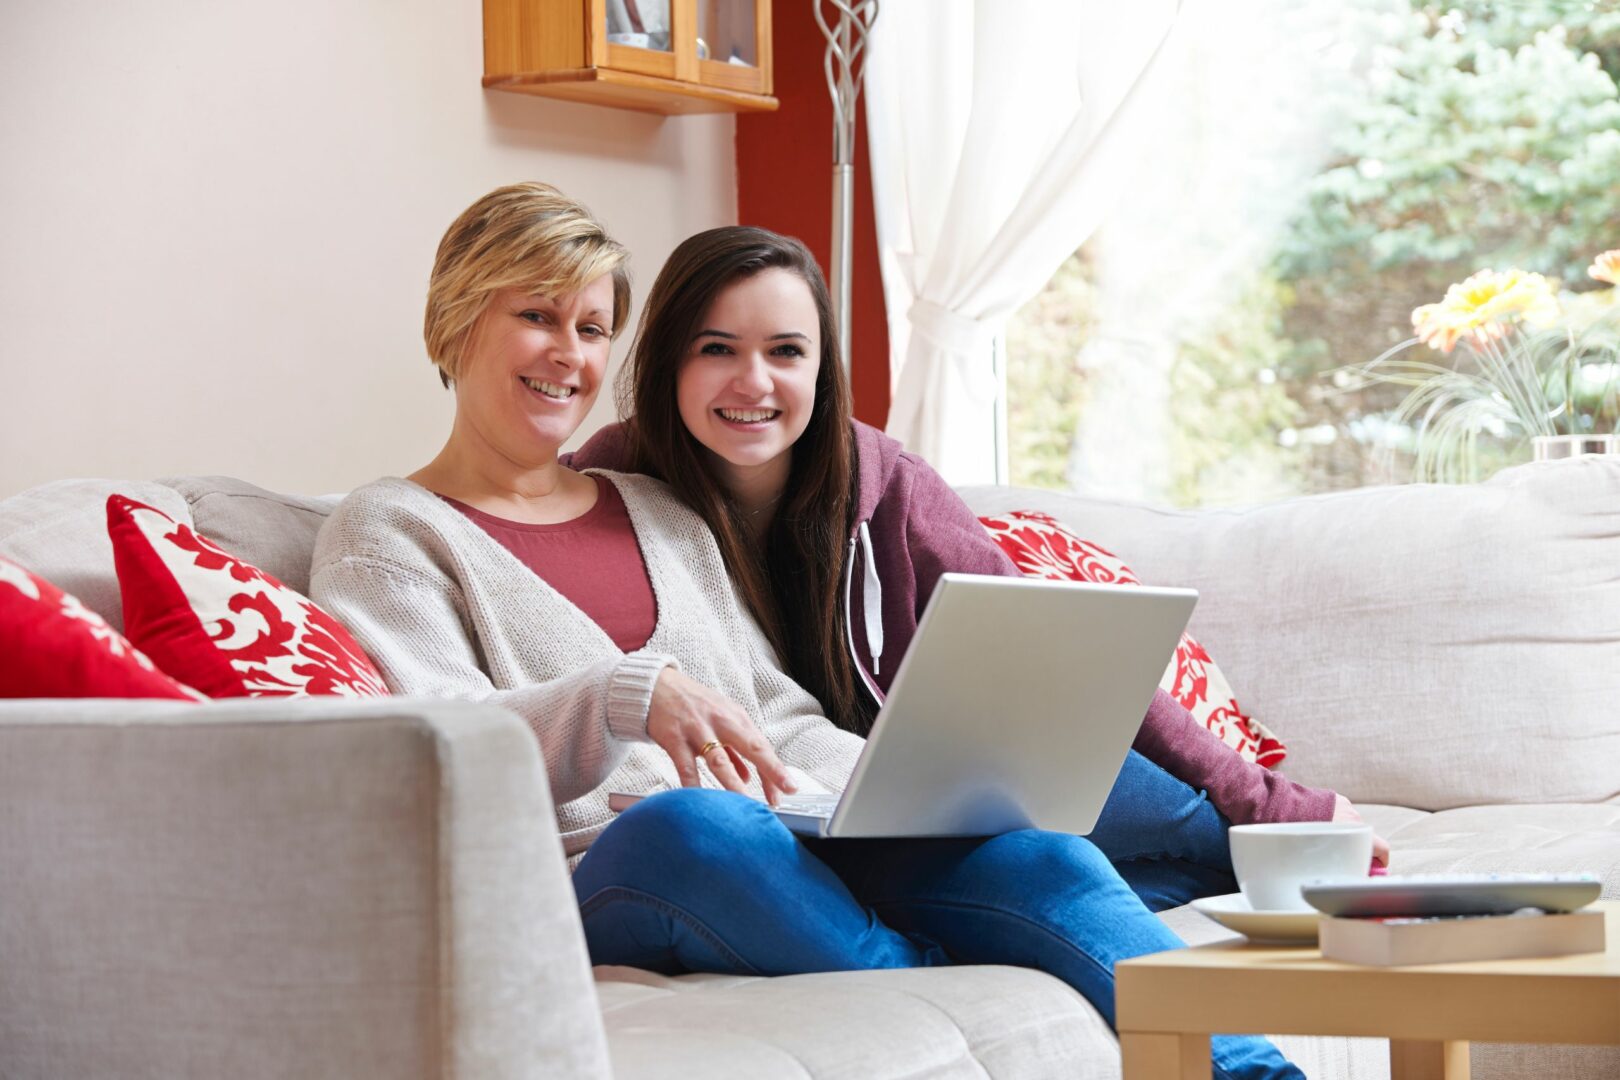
point(314, 888)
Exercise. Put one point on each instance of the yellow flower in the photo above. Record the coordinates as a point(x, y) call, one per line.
point(1437, 326)
point(1484, 306)
point(1606, 267)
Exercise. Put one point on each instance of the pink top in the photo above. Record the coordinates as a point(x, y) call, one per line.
point(594, 561)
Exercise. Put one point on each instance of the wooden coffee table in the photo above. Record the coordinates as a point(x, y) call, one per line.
point(1169, 1004)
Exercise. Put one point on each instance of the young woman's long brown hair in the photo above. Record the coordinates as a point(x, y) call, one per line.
point(792, 582)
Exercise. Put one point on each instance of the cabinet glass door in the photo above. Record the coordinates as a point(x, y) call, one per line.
point(733, 37)
point(645, 36)
point(640, 24)
point(728, 32)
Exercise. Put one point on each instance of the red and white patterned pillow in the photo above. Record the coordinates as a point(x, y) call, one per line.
point(52, 646)
point(1041, 547)
point(222, 624)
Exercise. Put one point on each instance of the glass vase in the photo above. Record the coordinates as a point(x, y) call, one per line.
point(1559, 447)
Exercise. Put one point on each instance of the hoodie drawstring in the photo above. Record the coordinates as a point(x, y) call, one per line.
point(872, 600)
point(871, 588)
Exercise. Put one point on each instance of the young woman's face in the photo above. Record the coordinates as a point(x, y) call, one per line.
point(534, 364)
point(747, 384)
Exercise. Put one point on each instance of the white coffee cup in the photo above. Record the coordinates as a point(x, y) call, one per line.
point(1272, 861)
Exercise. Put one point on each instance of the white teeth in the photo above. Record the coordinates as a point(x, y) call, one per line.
point(749, 416)
point(551, 390)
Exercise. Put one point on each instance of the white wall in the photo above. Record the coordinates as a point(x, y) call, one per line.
point(217, 221)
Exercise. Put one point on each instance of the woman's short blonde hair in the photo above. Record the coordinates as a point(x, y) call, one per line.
point(525, 236)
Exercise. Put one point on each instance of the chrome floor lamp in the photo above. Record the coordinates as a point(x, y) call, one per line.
point(845, 32)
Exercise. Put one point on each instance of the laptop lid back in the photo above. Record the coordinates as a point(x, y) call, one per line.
point(1014, 707)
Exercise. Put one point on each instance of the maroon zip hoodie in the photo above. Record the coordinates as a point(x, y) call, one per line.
point(911, 527)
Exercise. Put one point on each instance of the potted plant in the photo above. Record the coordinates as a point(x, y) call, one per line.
point(1531, 368)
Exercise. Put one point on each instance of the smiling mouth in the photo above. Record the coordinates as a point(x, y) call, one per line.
point(554, 391)
point(748, 416)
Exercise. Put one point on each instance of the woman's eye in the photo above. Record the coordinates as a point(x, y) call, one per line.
point(592, 330)
point(714, 348)
point(789, 350)
point(532, 316)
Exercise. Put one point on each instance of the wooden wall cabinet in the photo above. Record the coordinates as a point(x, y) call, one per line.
point(662, 56)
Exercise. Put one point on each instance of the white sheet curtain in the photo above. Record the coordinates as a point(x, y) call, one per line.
point(1000, 131)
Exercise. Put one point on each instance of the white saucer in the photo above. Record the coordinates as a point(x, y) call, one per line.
point(1260, 927)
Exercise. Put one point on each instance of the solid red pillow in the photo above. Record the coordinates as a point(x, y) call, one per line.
point(1040, 546)
point(52, 646)
point(222, 624)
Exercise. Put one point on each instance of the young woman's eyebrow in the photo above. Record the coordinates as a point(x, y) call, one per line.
point(733, 337)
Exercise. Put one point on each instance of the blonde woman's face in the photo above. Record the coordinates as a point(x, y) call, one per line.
point(534, 365)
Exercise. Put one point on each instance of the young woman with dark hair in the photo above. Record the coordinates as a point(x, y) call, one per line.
point(782, 520)
point(835, 536)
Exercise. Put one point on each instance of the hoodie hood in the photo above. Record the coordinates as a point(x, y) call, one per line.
point(876, 457)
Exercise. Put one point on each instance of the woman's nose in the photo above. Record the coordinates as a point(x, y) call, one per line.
point(753, 377)
point(567, 351)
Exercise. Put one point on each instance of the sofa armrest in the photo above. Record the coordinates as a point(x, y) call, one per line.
point(285, 888)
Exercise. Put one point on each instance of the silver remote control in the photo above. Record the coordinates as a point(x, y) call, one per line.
point(1414, 895)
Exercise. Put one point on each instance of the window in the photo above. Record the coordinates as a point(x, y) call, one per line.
point(1318, 178)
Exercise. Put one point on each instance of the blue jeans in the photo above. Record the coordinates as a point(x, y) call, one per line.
point(704, 880)
point(1166, 840)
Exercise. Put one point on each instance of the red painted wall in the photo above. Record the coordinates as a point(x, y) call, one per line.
point(784, 183)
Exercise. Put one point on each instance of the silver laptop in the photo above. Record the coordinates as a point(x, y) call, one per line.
point(1013, 708)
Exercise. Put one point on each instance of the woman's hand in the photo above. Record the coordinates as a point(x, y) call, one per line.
point(690, 721)
point(1344, 811)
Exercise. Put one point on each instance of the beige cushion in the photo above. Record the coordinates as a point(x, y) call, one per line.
point(1434, 646)
point(59, 531)
point(934, 1022)
point(274, 532)
point(1546, 838)
point(971, 1021)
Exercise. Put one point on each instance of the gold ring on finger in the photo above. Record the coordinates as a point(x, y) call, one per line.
point(712, 744)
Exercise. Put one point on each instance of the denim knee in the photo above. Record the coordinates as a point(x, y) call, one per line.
point(1048, 856)
point(1033, 870)
point(690, 814)
point(681, 832)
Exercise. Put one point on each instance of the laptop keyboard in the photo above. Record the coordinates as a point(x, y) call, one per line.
point(810, 805)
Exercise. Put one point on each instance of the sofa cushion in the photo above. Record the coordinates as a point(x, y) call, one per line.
point(59, 531)
point(272, 531)
point(1430, 645)
point(1544, 838)
point(970, 1021)
point(52, 646)
point(935, 1022)
point(223, 625)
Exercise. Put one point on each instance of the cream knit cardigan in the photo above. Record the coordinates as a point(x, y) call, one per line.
point(445, 611)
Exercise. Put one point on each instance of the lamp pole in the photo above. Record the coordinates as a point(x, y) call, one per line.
point(845, 32)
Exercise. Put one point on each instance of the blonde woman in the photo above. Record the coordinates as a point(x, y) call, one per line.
point(598, 607)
